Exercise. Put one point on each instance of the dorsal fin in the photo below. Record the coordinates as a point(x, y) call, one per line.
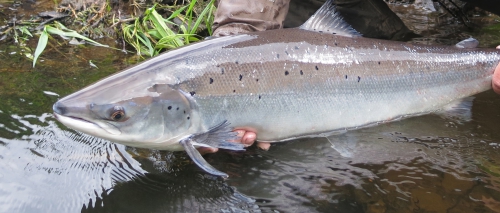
point(328, 20)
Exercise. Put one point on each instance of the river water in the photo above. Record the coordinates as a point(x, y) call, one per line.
point(422, 164)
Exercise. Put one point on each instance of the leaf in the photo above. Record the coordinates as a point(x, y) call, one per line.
point(72, 33)
point(200, 18)
point(92, 64)
point(176, 13)
point(24, 30)
point(155, 34)
point(158, 22)
point(42, 43)
point(146, 42)
point(189, 13)
point(210, 18)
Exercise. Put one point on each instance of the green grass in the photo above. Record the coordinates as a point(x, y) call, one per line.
point(153, 34)
point(58, 29)
point(149, 34)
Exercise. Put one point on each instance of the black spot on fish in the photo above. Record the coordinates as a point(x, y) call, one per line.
point(177, 108)
point(296, 47)
point(286, 72)
point(184, 111)
point(169, 107)
point(277, 55)
point(316, 67)
point(379, 63)
point(345, 76)
point(259, 97)
point(334, 33)
point(236, 62)
point(218, 65)
point(188, 117)
point(359, 78)
point(257, 80)
point(320, 31)
point(234, 90)
point(222, 71)
point(211, 80)
point(241, 76)
point(286, 53)
point(301, 73)
point(335, 43)
point(192, 93)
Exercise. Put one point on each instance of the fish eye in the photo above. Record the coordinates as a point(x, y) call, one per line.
point(118, 114)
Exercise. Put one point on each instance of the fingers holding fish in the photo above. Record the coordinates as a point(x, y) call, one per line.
point(496, 77)
point(207, 150)
point(247, 138)
point(264, 145)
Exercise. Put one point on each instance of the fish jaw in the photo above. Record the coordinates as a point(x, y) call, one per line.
point(98, 129)
point(85, 126)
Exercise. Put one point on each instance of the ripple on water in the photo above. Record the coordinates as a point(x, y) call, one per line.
point(54, 170)
point(416, 165)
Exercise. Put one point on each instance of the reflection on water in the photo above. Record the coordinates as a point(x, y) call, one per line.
point(56, 170)
point(53, 169)
point(422, 164)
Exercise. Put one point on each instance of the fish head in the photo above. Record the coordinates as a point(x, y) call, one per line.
point(131, 110)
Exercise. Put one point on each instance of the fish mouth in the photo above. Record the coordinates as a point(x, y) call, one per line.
point(76, 122)
point(86, 126)
point(57, 116)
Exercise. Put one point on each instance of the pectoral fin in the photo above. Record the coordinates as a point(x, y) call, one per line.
point(217, 137)
point(199, 160)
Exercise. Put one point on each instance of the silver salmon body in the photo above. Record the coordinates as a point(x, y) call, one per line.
point(281, 84)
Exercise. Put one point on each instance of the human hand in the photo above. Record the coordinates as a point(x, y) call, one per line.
point(496, 78)
point(247, 138)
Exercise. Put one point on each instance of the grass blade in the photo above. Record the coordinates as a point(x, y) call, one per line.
point(42, 43)
point(200, 17)
point(71, 33)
